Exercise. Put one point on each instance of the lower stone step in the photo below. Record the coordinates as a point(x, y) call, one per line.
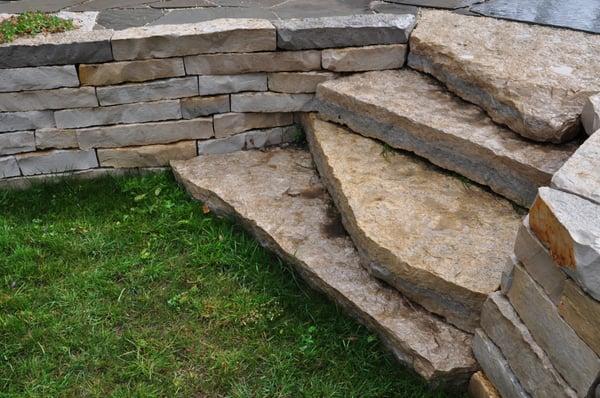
point(439, 239)
point(277, 195)
point(411, 111)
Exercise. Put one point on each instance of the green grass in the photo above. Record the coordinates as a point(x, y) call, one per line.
point(31, 24)
point(125, 288)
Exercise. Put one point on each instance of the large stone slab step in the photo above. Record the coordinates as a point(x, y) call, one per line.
point(439, 239)
point(412, 111)
point(277, 195)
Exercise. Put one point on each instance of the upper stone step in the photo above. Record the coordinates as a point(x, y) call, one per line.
point(277, 195)
point(534, 79)
point(440, 240)
point(409, 110)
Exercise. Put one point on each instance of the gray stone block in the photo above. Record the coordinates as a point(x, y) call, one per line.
point(262, 138)
point(298, 82)
point(222, 145)
point(56, 161)
point(272, 102)
point(145, 92)
point(590, 117)
point(40, 78)
point(226, 84)
point(15, 121)
point(17, 142)
point(233, 123)
point(60, 98)
point(362, 59)
point(9, 167)
point(203, 106)
point(56, 139)
point(231, 64)
point(343, 31)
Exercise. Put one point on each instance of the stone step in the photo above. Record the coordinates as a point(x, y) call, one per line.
point(411, 111)
point(538, 88)
point(277, 195)
point(440, 240)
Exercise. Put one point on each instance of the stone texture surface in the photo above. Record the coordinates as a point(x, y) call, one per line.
point(256, 139)
point(481, 387)
point(441, 243)
point(581, 173)
point(537, 88)
point(231, 64)
point(130, 71)
point(272, 102)
point(20, 141)
point(147, 156)
point(226, 84)
point(222, 145)
point(538, 262)
point(144, 92)
point(118, 114)
point(361, 59)
point(73, 47)
point(232, 123)
point(591, 114)
point(496, 367)
point(571, 357)
point(55, 161)
point(145, 133)
point(298, 82)
point(41, 78)
point(411, 111)
point(56, 138)
point(345, 31)
point(60, 98)
point(569, 227)
point(277, 195)
point(9, 167)
point(529, 363)
point(218, 36)
point(15, 121)
point(583, 314)
point(203, 106)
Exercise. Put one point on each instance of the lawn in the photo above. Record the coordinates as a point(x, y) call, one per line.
point(124, 287)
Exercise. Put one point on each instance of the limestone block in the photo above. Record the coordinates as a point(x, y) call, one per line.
point(203, 106)
point(267, 137)
point(130, 71)
point(60, 98)
point(569, 226)
point(231, 64)
point(590, 116)
point(222, 145)
point(15, 121)
point(146, 156)
point(571, 356)
point(56, 161)
point(232, 123)
point(298, 82)
point(144, 133)
point(20, 141)
point(360, 59)
point(118, 114)
point(40, 78)
point(583, 314)
point(9, 167)
point(226, 84)
point(144, 92)
point(481, 387)
point(272, 102)
point(215, 36)
point(343, 31)
point(56, 138)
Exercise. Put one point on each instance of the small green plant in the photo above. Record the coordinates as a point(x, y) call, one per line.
point(31, 24)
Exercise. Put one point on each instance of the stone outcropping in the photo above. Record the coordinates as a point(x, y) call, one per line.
point(537, 88)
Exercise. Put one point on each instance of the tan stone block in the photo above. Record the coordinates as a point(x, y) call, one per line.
point(583, 314)
point(130, 71)
point(298, 82)
point(147, 156)
point(361, 59)
point(231, 64)
point(56, 138)
point(481, 387)
point(232, 123)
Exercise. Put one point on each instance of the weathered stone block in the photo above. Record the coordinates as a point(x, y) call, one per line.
point(226, 84)
point(216, 36)
point(590, 116)
point(272, 102)
point(583, 314)
point(570, 355)
point(496, 367)
point(203, 106)
point(147, 156)
point(298, 82)
point(74, 47)
point(56, 161)
point(15, 121)
point(118, 114)
point(232, 123)
point(145, 134)
point(144, 92)
point(230, 64)
point(361, 59)
point(481, 387)
point(343, 31)
point(222, 145)
point(569, 226)
point(581, 173)
point(20, 141)
point(130, 71)
point(527, 360)
point(60, 98)
point(262, 138)
point(9, 167)
point(56, 138)
point(40, 78)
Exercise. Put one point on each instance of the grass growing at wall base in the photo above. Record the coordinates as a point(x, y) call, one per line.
point(32, 24)
point(125, 288)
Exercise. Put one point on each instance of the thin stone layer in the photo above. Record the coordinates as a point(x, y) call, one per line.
point(435, 238)
point(277, 195)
